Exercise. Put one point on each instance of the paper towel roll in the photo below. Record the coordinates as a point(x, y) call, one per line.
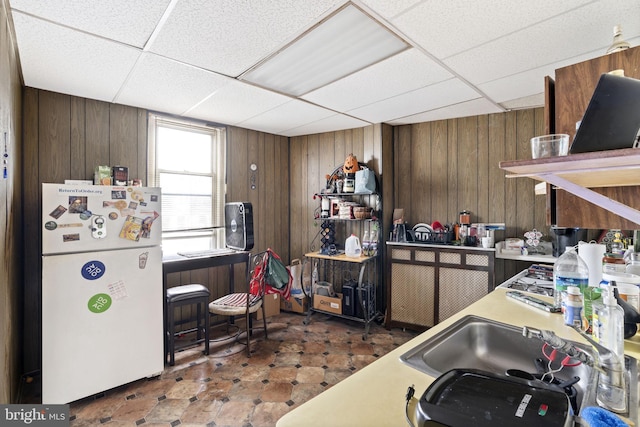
point(591, 254)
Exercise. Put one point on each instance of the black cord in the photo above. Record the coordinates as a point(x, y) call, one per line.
point(410, 391)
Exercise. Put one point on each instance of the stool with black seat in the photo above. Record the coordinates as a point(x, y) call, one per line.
point(183, 295)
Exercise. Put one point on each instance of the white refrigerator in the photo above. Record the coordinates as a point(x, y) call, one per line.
point(102, 299)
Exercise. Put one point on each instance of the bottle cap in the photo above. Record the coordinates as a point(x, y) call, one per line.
point(573, 290)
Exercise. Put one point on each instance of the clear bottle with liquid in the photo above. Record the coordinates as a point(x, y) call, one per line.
point(608, 330)
point(366, 244)
point(569, 270)
point(373, 250)
point(617, 247)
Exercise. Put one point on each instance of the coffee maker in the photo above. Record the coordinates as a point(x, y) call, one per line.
point(564, 237)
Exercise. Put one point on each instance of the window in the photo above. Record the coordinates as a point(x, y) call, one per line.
point(187, 161)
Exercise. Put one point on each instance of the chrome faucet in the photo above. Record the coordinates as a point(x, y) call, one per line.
point(611, 392)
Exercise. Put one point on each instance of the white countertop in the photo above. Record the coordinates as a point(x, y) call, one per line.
point(375, 395)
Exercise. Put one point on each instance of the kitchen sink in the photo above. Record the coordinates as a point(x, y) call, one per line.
point(474, 342)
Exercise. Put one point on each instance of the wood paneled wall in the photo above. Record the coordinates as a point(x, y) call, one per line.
point(10, 214)
point(446, 166)
point(66, 137)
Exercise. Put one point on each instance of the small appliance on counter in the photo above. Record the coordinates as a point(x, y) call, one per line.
point(563, 237)
point(465, 397)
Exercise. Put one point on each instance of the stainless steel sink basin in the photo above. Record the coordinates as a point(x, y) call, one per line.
point(479, 343)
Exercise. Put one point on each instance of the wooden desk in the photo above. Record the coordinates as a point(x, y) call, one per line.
point(176, 263)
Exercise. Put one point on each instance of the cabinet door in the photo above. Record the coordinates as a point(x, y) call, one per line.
point(459, 289)
point(464, 278)
point(412, 292)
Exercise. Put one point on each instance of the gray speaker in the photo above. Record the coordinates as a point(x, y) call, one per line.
point(238, 221)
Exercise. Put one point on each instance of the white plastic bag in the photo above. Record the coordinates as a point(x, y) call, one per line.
point(296, 273)
point(365, 181)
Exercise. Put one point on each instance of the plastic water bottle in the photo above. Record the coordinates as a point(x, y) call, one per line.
point(373, 244)
point(366, 244)
point(314, 278)
point(569, 270)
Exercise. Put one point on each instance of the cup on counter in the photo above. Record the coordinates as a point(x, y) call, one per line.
point(487, 242)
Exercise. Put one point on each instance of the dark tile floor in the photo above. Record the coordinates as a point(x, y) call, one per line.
point(295, 363)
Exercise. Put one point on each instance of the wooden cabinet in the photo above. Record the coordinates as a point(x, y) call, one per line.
point(430, 283)
point(574, 86)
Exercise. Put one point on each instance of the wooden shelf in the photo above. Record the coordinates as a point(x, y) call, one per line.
point(577, 173)
point(610, 168)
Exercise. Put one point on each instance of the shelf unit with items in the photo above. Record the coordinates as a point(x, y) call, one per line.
point(341, 214)
point(354, 294)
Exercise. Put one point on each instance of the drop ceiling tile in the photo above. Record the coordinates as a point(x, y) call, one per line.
point(526, 83)
point(402, 73)
point(287, 116)
point(162, 84)
point(587, 29)
point(388, 9)
point(474, 107)
point(236, 102)
point(62, 60)
point(130, 22)
point(445, 28)
point(230, 36)
point(427, 98)
point(329, 124)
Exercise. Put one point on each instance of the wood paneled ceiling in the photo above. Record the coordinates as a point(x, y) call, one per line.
point(185, 57)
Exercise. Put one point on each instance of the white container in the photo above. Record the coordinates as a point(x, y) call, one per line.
point(352, 247)
point(572, 302)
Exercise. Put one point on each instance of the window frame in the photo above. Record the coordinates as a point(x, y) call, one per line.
point(188, 239)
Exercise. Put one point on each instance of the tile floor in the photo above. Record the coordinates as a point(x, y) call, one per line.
point(226, 388)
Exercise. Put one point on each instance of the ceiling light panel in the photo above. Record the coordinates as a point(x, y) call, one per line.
point(344, 43)
point(231, 36)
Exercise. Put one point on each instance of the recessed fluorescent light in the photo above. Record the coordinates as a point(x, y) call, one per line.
point(346, 42)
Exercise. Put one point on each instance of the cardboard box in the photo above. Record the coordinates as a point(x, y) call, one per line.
point(271, 306)
point(328, 304)
point(295, 305)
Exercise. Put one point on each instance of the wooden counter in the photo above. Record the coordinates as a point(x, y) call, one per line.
point(375, 395)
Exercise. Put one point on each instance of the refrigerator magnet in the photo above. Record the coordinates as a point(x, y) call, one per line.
point(99, 303)
point(57, 212)
point(50, 225)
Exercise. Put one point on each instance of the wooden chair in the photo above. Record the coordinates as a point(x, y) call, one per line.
point(245, 303)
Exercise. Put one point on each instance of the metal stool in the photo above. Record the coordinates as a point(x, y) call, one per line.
point(179, 296)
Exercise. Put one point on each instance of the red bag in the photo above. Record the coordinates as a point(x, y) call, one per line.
point(263, 271)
